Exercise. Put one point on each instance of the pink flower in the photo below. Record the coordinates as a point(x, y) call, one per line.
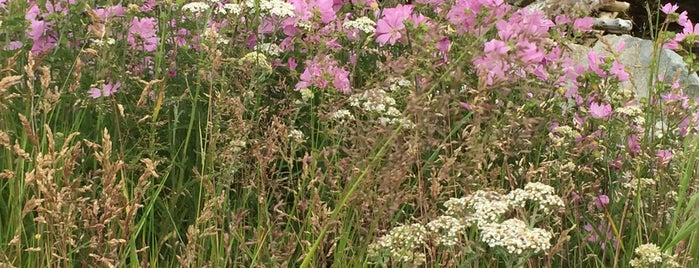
point(389, 27)
point(619, 71)
point(443, 45)
point(664, 157)
point(341, 80)
point(465, 105)
point(562, 19)
point(669, 8)
point(601, 201)
point(594, 62)
point(633, 144)
point(292, 63)
point(683, 19)
point(13, 45)
point(583, 24)
point(142, 34)
point(600, 110)
point(107, 90)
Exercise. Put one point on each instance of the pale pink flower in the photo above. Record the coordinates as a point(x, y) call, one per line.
point(389, 27)
point(669, 8)
point(600, 110)
point(664, 157)
point(619, 71)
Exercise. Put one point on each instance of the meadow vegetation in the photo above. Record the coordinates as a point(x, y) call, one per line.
point(318, 133)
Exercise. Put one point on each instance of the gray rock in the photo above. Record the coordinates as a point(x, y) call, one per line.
point(636, 56)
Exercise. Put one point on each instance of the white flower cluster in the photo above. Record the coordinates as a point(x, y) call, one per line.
point(633, 112)
point(649, 255)
point(342, 115)
point(481, 207)
point(307, 94)
point(101, 42)
point(270, 49)
point(483, 210)
point(629, 111)
point(296, 135)
point(401, 243)
point(399, 83)
point(257, 59)
point(447, 229)
point(567, 131)
point(378, 101)
point(373, 100)
point(277, 8)
point(234, 9)
point(516, 237)
point(537, 192)
point(363, 24)
point(633, 183)
point(196, 7)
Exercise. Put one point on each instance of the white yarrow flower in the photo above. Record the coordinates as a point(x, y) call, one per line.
point(516, 237)
point(196, 7)
point(363, 24)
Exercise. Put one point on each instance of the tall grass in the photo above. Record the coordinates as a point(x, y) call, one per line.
point(172, 134)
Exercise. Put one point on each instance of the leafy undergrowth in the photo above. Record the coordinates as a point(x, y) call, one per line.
point(320, 133)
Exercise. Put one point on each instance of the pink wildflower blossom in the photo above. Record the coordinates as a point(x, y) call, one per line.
point(669, 8)
point(601, 201)
point(142, 34)
point(583, 24)
point(107, 90)
point(600, 110)
point(664, 156)
point(389, 27)
point(619, 71)
point(633, 144)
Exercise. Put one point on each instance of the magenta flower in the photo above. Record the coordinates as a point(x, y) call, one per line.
point(583, 24)
point(594, 62)
point(389, 27)
point(107, 90)
point(601, 201)
point(600, 110)
point(601, 234)
point(142, 34)
point(683, 19)
point(633, 144)
point(619, 71)
point(664, 157)
point(13, 45)
point(669, 8)
point(341, 80)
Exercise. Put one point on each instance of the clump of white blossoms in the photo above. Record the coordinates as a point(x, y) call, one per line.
point(101, 42)
point(363, 24)
point(234, 9)
point(567, 131)
point(539, 193)
point(378, 101)
point(649, 255)
point(447, 230)
point(516, 237)
point(342, 116)
point(398, 83)
point(481, 207)
point(256, 59)
point(401, 244)
point(196, 7)
point(296, 135)
point(277, 8)
point(270, 49)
